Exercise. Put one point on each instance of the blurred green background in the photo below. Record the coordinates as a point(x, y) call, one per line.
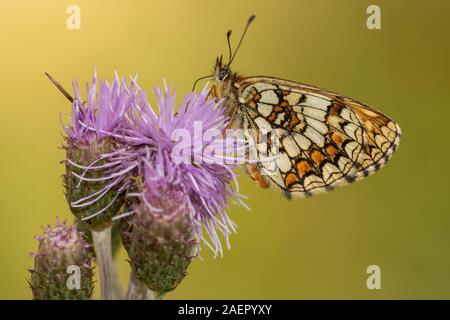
point(398, 219)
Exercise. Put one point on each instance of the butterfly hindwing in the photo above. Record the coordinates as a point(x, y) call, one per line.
point(325, 140)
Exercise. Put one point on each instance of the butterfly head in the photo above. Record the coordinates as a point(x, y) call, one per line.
point(221, 70)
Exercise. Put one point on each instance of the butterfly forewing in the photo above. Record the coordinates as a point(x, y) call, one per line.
point(325, 139)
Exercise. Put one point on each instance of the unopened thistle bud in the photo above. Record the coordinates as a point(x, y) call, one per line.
point(62, 265)
point(159, 239)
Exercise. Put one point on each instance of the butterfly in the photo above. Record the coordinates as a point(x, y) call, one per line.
point(326, 140)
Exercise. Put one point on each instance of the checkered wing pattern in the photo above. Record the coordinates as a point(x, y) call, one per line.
point(326, 140)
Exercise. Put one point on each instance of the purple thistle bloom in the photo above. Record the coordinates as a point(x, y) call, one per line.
point(98, 163)
point(103, 112)
point(206, 183)
point(126, 138)
point(175, 169)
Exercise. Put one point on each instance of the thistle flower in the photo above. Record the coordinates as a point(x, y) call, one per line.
point(97, 164)
point(178, 197)
point(197, 172)
point(62, 265)
point(119, 151)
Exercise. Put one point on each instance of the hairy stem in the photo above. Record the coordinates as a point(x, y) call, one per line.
point(136, 289)
point(102, 247)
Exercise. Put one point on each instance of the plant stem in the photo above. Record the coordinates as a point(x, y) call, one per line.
point(136, 289)
point(117, 288)
point(152, 295)
point(102, 247)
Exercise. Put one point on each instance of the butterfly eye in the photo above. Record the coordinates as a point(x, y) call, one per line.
point(222, 74)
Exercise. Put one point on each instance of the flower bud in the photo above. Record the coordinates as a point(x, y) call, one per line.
point(160, 241)
point(62, 265)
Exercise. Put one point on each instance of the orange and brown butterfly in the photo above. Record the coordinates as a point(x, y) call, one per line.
point(326, 139)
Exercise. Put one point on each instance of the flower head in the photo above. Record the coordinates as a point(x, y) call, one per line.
point(102, 114)
point(184, 151)
point(98, 163)
point(182, 188)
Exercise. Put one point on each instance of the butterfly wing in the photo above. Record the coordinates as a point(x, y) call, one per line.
point(325, 139)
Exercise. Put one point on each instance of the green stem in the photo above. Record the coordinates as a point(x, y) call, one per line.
point(102, 247)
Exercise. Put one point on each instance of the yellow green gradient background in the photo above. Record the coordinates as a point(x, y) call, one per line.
point(398, 219)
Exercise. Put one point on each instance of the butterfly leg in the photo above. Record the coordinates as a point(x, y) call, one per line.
point(232, 117)
point(212, 92)
point(253, 169)
point(254, 172)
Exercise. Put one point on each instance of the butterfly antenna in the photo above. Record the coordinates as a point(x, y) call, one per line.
point(229, 45)
point(201, 78)
point(60, 87)
point(249, 21)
